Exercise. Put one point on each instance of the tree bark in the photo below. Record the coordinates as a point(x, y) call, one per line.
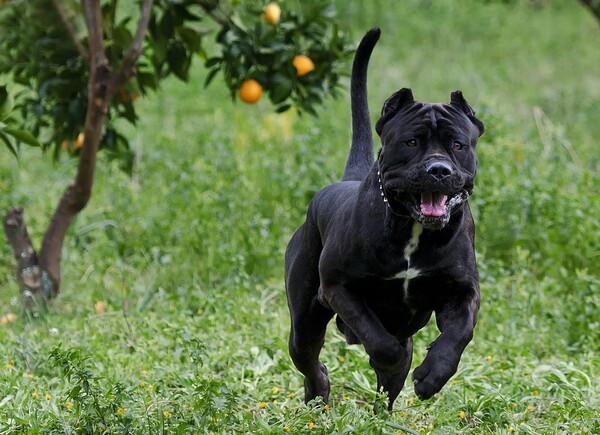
point(40, 278)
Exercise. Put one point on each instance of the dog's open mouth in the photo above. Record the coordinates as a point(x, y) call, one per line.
point(433, 204)
point(432, 209)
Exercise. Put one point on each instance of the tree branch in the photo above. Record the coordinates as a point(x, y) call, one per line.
point(63, 14)
point(135, 49)
point(210, 6)
point(36, 285)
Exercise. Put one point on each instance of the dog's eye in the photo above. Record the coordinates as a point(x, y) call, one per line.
point(457, 146)
point(411, 143)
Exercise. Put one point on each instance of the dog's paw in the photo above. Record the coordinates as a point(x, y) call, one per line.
point(318, 387)
point(430, 377)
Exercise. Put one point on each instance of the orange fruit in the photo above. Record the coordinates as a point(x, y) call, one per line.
point(79, 141)
point(64, 145)
point(250, 91)
point(271, 13)
point(100, 307)
point(303, 64)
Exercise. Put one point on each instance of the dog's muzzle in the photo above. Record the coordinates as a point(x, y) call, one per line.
point(432, 208)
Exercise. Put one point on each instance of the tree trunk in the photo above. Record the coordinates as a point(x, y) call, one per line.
point(39, 276)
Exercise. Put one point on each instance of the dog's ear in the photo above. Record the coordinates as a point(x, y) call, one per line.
point(392, 105)
point(457, 100)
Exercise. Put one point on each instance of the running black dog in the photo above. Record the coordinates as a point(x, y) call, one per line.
point(391, 243)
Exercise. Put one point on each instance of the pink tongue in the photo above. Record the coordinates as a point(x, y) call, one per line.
point(433, 204)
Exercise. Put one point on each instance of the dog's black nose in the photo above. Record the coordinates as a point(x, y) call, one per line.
point(439, 170)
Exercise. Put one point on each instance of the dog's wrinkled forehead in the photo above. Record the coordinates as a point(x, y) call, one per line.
point(457, 114)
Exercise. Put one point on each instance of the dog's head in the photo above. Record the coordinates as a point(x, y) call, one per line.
point(427, 162)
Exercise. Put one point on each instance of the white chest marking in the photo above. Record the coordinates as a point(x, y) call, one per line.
point(413, 243)
point(409, 249)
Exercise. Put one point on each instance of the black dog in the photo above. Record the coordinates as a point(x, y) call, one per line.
point(391, 243)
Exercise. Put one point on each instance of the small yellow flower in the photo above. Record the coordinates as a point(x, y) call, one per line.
point(511, 429)
point(421, 430)
point(120, 411)
point(326, 408)
point(501, 370)
point(286, 429)
point(62, 399)
point(144, 372)
point(166, 413)
point(522, 423)
point(536, 393)
point(461, 414)
point(276, 390)
point(261, 405)
point(142, 384)
point(341, 358)
point(403, 414)
point(514, 405)
point(9, 366)
point(48, 396)
point(529, 408)
point(311, 425)
point(430, 426)
point(150, 387)
point(275, 402)
point(29, 376)
point(413, 425)
point(290, 395)
point(411, 401)
point(490, 358)
point(35, 395)
point(68, 404)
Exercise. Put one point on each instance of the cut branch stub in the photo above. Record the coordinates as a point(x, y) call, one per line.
point(36, 286)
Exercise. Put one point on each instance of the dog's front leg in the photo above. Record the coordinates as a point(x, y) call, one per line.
point(386, 352)
point(456, 321)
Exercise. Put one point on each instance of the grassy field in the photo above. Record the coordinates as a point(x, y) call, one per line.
point(187, 253)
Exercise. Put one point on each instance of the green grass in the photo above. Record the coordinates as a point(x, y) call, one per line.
point(188, 252)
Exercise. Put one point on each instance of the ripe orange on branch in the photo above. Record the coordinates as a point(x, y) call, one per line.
point(272, 13)
point(250, 91)
point(303, 64)
point(79, 141)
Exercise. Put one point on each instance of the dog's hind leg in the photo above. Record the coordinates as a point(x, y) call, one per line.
point(309, 317)
point(392, 383)
point(306, 340)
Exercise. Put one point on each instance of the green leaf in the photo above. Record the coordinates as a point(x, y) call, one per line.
point(23, 136)
point(6, 102)
point(10, 147)
point(211, 75)
point(283, 108)
point(179, 61)
point(191, 38)
point(281, 88)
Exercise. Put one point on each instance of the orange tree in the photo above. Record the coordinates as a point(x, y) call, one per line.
point(77, 67)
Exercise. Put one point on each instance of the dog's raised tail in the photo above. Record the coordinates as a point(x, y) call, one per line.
point(360, 159)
